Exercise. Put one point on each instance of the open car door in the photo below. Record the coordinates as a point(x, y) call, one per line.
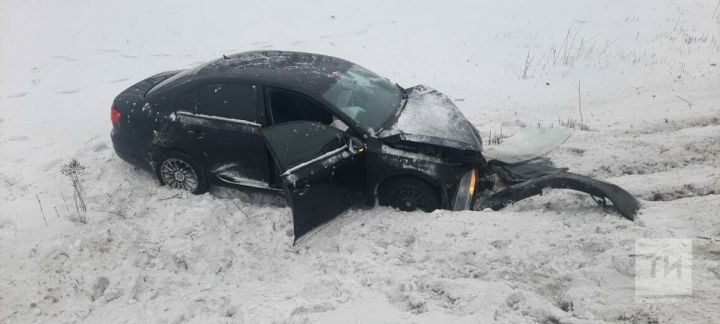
point(320, 171)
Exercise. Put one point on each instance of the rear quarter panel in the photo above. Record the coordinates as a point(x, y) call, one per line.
point(141, 117)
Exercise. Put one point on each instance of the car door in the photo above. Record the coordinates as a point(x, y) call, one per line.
point(222, 124)
point(321, 174)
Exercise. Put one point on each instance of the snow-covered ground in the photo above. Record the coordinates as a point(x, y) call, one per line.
point(650, 90)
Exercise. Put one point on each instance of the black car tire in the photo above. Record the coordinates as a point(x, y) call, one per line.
point(408, 194)
point(175, 161)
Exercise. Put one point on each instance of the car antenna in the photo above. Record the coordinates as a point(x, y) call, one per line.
point(225, 56)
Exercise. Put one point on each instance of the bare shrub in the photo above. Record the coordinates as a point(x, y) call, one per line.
point(526, 67)
point(42, 212)
point(496, 138)
point(75, 172)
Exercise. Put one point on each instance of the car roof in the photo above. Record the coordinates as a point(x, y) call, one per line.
point(306, 72)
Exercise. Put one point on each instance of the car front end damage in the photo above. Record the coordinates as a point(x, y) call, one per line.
point(434, 138)
point(511, 183)
point(497, 185)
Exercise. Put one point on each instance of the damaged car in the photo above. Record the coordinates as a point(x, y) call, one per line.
point(328, 134)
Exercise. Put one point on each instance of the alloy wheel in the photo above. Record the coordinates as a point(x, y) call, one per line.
point(408, 199)
point(179, 174)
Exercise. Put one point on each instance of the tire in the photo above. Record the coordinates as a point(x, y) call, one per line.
point(408, 194)
point(180, 171)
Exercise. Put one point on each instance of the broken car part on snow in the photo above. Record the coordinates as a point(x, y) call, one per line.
point(328, 134)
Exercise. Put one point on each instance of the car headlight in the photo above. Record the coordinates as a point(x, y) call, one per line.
point(465, 192)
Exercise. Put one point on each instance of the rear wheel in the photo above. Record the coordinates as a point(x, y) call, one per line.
point(408, 194)
point(178, 170)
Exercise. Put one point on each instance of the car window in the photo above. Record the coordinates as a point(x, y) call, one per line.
point(365, 97)
point(288, 106)
point(299, 142)
point(226, 100)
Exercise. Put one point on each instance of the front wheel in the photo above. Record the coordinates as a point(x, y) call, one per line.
point(408, 194)
point(178, 170)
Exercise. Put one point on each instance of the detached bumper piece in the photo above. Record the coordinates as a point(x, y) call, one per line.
point(529, 180)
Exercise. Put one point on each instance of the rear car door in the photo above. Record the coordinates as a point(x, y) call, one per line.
point(322, 176)
point(222, 123)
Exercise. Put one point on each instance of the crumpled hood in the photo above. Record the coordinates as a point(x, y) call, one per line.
point(431, 117)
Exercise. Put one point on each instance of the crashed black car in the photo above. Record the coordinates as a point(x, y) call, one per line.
point(326, 132)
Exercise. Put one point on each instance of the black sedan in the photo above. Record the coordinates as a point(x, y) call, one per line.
point(326, 132)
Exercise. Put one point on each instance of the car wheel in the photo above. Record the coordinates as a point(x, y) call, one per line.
point(178, 170)
point(408, 194)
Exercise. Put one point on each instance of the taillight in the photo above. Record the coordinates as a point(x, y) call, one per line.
point(114, 115)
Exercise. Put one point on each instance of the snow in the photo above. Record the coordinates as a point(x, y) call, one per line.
point(230, 173)
point(152, 254)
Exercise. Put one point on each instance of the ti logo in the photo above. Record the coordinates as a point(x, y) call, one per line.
point(663, 268)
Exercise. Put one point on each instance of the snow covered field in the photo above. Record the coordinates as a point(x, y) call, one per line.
point(650, 90)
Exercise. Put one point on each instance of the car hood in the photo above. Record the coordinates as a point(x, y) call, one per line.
point(431, 117)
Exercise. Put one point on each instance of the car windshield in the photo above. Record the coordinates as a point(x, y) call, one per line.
point(365, 97)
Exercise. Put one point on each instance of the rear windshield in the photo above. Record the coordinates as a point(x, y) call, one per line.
point(182, 77)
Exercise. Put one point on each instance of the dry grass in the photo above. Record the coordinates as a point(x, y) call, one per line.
point(496, 137)
point(574, 124)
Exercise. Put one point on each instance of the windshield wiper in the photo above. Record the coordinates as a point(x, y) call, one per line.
point(404, 97)
point(402, 91)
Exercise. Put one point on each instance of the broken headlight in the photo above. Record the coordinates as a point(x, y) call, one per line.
point(465, 192)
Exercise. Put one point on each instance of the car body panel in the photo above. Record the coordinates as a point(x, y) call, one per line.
point(134, 136)
point(388, 162)
point(303, 72)
point(237, 144)
point(323, 184)
point(429, 116)
point(531, 180)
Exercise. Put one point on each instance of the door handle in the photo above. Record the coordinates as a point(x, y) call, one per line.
point(196, 132)
point(303, 190)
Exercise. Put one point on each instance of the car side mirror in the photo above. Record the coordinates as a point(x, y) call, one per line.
point(355, 145)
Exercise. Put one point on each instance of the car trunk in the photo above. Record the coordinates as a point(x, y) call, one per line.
point(130, 108)
point(133, 97)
